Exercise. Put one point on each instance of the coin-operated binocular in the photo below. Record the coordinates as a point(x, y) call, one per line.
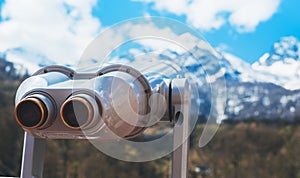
point(109, 102)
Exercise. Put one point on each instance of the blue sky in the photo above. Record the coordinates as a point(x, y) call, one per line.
point(247, 44)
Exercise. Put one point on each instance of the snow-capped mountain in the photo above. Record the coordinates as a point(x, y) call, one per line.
point(281, 65)
point(251, 91)
point(269, 88)
point(284, 51)
point(28, 59)
point(10, 70)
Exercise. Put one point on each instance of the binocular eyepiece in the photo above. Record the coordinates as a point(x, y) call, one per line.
point(77, 111)
point(34, 111)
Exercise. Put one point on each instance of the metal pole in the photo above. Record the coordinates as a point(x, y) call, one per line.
point(180, 156)
point(181, 129)
point(33, 157)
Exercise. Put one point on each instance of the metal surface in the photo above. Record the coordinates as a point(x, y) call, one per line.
point(181, 105)
point(33, 157)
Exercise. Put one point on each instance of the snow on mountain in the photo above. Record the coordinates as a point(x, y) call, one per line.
point(10, 70)
point(269, 88)
point(244, 72)
point(19, 60)
point(28, 59)
point(264, 90)
point(251, 93)
point(282, 73)
point(242, 69)
point(285, 51)
point(281, 65)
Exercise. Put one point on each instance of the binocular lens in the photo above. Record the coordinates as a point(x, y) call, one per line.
point(31, 112)
point(76, 112)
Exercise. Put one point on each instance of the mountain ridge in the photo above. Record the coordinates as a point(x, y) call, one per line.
point(261, 90)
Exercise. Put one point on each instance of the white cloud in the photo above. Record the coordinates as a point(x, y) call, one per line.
point(163, 38)
point(56, 29)
point(144, 32)
point(244, 15)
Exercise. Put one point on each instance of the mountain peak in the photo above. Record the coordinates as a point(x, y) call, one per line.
point(287, 50)
point(10, 70)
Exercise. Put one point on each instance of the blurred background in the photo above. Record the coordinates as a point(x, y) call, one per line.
point(259, 53)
